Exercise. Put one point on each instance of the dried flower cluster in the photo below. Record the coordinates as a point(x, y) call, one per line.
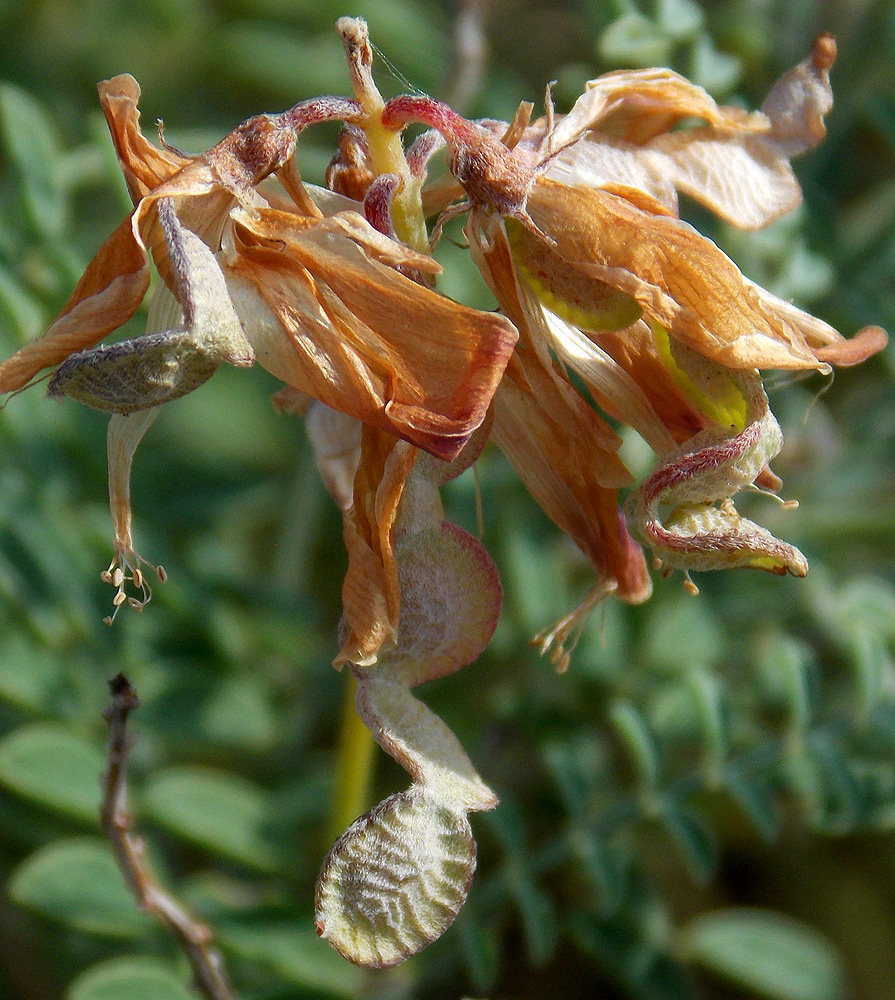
point(573, 222)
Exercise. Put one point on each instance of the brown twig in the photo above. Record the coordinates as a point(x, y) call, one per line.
point(194, 938)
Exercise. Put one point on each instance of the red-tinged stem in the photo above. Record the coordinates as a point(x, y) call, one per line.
point(489, 172)
point(407, 108)
point(320, 109)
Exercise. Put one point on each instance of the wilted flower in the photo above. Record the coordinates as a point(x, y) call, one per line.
point(313, 294)
point(573, 222)
point(574, 225)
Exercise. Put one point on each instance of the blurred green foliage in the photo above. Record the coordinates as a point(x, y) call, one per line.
point(707, 798)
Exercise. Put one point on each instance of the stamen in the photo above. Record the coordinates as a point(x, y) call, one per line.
point(563, 636)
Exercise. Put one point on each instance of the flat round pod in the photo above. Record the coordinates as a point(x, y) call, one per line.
point(395, 880)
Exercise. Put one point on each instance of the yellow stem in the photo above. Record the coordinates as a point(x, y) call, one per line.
point(386, 148)
point(354, 767)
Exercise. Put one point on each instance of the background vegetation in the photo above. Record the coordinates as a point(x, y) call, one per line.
point(703, 806)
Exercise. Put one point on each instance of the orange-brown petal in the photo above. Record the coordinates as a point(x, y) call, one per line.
point(144, 166)
point(547, 444)
point(362, 338)
point(371, 596)
point(108, 294)
point(680, 279)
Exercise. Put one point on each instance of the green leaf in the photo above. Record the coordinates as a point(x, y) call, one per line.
point(756, 798)
point(221, 812)
point(717, 71)
point(873, 667)
point(783, 676)
point(680, 19)
point(295, 953)
point(77, 882)
point(50, 765)
point(20, 312)
point(633, 40)
point(539, 921)
point(838, 806)
point(639, 743)
point(766, 952)
point(237, 714)
point(30, 675)
point(130, 978)
point(684, 634)
point(479, 942)
point(694, 839)
point(604, 866)
point(30, 140)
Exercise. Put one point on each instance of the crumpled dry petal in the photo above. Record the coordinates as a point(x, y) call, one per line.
point(622, 131)
point(679, 278)
point(371, 595)
point(327, 317)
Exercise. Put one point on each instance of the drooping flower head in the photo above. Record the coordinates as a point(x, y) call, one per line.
point(573, 222)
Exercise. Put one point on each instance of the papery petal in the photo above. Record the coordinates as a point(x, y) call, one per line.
point(108, 294)
point(336, 441)
point(827, 343)
point(543, 437)
point(624, 390)
point(680, 278)
point(744, 176)
point(326, 318)
point(396, 879)
point(619, 132)
point(637, 105)
point(799, 100)
point(371, 593)
point(742, 179)
point(144, 166)
point(634, 350)
point(492, 254)
point(600, 161)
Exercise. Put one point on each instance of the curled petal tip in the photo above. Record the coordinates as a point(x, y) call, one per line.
point(864, 344)
point(823, 52)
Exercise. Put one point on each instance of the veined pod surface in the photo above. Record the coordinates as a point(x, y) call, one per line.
point(396, 879)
